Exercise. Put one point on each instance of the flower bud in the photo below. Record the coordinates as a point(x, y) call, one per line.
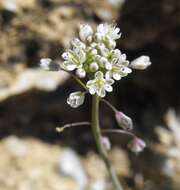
point(111, 44)
point(94, 52)
point(141, 62)
point(45, 62)
point(81, 73)
point(76, 99)
point(94, 66)
point(98, 37)
point(85, 32)
point(137, 145)
point(106, 143)
point(124, 121)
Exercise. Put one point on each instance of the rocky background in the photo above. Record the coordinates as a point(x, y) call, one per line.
point(33, 102)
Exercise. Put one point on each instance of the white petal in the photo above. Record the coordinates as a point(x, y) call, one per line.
point(69, 66)
point(117, 30)
point(99, 75)
point(116, 53)
point(116, 76)
point(126, 70)
point(101, 92)
point(108, 75)
point(76, 43)
point(90, 83)
point(92, 90)
point(109, 81)
point(102, 28)
point(108, 88)
point(81, 56)
point(108, 65)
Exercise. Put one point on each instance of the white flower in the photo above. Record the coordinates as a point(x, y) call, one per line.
point(117, 58)
point(141, 62)
point(76, 43)
point(45, 62)
point(117, 72)
point(107, 32)
point(103, 62)
point(85, 32)
point(73, 59)
point(80, 72)
point(100, 85)
point(76, 99)
point(119, 65)
point(93, 54)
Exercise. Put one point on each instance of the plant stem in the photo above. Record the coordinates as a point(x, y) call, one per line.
point(61, 129)
point(118, 131)
point(110, 105)
point(101, 149)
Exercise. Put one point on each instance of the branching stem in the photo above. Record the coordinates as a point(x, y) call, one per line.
point(118, 131)
point(61, 129)
point(110, 105)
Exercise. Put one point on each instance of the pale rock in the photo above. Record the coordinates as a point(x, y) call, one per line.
point(70, 165)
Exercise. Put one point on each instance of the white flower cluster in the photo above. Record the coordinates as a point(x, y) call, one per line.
point(94, 55)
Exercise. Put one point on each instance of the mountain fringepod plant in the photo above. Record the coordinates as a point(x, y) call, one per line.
point(96, 64)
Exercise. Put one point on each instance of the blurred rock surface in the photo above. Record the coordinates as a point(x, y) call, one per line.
point(31, 164)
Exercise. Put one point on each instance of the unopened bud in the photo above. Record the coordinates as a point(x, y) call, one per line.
point(106, 143)
point(85, 32)
point(94, 51)
point(76, 99)
point(111, 44)
point(124, 121)
point(137, 145)
point(94, 66)
point(81, 73)
point(98, 37)
point(141, 62)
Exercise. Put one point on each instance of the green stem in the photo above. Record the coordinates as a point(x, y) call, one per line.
point(110, 105)
point(101, 149)
point(78, 81)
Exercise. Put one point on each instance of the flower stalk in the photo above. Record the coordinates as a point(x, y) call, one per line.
point(97, 135)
